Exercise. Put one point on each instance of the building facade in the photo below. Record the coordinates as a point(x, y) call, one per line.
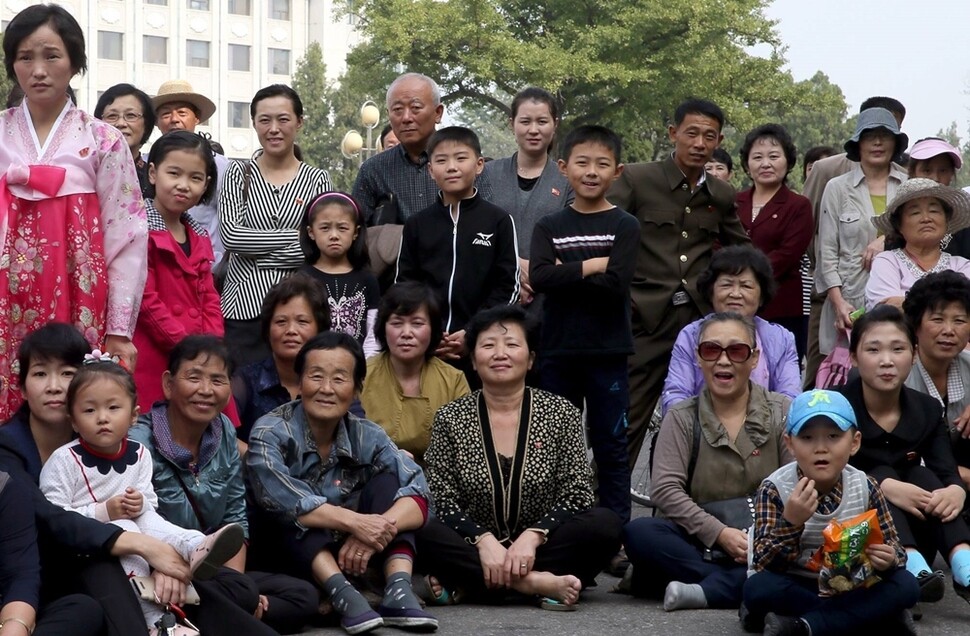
point(227, 50)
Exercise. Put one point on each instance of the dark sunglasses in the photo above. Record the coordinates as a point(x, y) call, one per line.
point(737, 352)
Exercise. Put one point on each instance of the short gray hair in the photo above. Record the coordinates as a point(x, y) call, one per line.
point(435, 90)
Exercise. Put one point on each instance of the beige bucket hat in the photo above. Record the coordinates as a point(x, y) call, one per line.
point(181, 91)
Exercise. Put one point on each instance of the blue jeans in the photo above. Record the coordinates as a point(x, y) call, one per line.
point(661, 551)
point(862, 610)
point(603, 383)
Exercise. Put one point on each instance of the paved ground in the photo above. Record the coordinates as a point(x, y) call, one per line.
point(603, 613)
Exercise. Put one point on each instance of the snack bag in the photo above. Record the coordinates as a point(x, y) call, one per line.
point(841, 562)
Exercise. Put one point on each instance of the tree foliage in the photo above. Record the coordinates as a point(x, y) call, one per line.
point(618, 63)
point(952, 137)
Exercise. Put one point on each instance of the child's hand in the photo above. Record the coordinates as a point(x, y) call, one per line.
point(452, 346)
point(132, 502)
point(946, 503)
point(802, 504)
point(115, 507)
point(882, 556)
point(909, 497)
point(595, 265)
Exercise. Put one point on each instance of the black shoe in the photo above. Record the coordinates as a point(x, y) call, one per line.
point(905, 625)
point(618, 564)
point(776, 625)
point(932, 586)
point(963, 591)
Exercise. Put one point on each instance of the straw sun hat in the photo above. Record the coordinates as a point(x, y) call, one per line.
point(956, 200)
point(181, 91)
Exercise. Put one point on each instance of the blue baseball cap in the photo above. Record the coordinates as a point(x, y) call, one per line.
point(819, 403)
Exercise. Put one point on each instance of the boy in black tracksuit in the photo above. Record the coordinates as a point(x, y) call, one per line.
point(462, 246)
point(583, 258)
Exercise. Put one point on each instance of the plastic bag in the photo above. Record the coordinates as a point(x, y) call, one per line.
point(842, 563)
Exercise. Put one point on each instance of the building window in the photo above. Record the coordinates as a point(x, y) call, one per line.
point(161, 2)
point(279, 62)
point(111, 45)
point(240, 7)
point(197, 53)
point(199, 5)
point(238, 57)
point(156, 49)
point(279, 9)
point(238, 114)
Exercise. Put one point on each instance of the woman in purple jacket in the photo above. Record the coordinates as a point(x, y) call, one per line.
point(739, 279)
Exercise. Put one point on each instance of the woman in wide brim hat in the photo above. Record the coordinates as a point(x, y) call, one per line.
point(918, 217)
point(180, 91)
point(847, 241)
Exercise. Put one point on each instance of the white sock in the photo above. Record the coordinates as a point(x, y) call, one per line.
point(684, 596)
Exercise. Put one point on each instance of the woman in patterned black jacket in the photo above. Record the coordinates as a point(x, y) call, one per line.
point(511, 483)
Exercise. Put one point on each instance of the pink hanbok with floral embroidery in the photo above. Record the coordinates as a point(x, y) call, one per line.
point(73, 231)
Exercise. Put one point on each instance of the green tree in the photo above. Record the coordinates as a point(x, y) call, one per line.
point(951, 136)
point(619, 63)
point(6, 84)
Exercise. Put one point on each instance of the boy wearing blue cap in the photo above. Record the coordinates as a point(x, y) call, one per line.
point(795, 504)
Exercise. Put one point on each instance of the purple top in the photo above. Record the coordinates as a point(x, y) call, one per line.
point(894, 273)
point(777, 369)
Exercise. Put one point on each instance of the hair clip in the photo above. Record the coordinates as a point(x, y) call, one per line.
point(97, 356)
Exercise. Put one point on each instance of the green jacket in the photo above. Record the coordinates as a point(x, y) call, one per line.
point(218, 489)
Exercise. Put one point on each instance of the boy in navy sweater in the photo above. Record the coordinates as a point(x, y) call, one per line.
point(583, 259)
point(462, 246)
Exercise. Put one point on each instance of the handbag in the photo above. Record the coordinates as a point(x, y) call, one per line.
point(834, 370)
point(736, 512)
point(383, 239)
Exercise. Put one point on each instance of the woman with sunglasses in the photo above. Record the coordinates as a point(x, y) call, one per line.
point(739, 279)
point(711, 448)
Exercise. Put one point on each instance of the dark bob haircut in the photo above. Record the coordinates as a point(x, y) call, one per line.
point(933, 293)
point(699, 107)
point(889, 103)
point(732, 261)
point(123, 90)
point(91, 372)
point(191, 347)
point(328, 341)
point(457, 134)
point(190, 142)
point(36, 16)
point(723, 156)
point(53, 341)
point(878, 315)
point(277, 90)
point(358, 255)
point(590, 134)
point(780, 136)
point(405, 299)
point(502, 315)
point(297, 285)
point(813, 154)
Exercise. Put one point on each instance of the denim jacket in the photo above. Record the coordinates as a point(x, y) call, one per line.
point(288, 479)
point(217, 487)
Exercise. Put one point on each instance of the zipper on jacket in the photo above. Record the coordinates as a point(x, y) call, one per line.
point(454, 261)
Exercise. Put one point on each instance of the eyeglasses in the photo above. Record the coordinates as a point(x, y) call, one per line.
point(113, 118)
point(737, 352)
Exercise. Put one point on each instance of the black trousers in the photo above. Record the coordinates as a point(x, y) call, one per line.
point(105, 581)
point(581, 546)
point(75, 614)
point(293, 603)
point(926, 535)
point(292, 549)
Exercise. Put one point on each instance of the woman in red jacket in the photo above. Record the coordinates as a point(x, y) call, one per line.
point(180, 297)
point(778, 221)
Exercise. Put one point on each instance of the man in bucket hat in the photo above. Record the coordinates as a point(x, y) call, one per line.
point(178, 107)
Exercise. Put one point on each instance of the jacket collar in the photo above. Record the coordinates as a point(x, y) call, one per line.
point(676, 177)
point(757, 422)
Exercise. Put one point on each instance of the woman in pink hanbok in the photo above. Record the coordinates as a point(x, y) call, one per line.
point(72, 219)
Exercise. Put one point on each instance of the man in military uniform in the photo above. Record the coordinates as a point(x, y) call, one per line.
point(682, 214)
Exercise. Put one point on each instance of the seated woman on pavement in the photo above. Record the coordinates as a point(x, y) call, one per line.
point(739, 279)
point(334, 495)
point(711, 454)
point(197, 476)
point(916, 220)
point(406, 383)
point(511, 482)
point(938, 310)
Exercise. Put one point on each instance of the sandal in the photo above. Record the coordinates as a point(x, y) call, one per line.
point(424, 588)
point(553, 605)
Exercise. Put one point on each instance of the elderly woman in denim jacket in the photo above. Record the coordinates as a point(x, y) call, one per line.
point(335, 491)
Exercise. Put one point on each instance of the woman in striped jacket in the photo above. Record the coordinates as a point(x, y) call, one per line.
point(261, 210)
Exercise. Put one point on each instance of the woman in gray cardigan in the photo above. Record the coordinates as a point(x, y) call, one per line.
point(528, 185)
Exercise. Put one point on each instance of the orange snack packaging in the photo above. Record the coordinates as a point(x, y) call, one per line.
point(842, 563)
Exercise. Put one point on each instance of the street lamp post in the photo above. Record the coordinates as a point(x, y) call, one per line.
point(352, 144)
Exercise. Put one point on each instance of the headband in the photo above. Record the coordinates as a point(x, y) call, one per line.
point(335, 195)
point(98, 356)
